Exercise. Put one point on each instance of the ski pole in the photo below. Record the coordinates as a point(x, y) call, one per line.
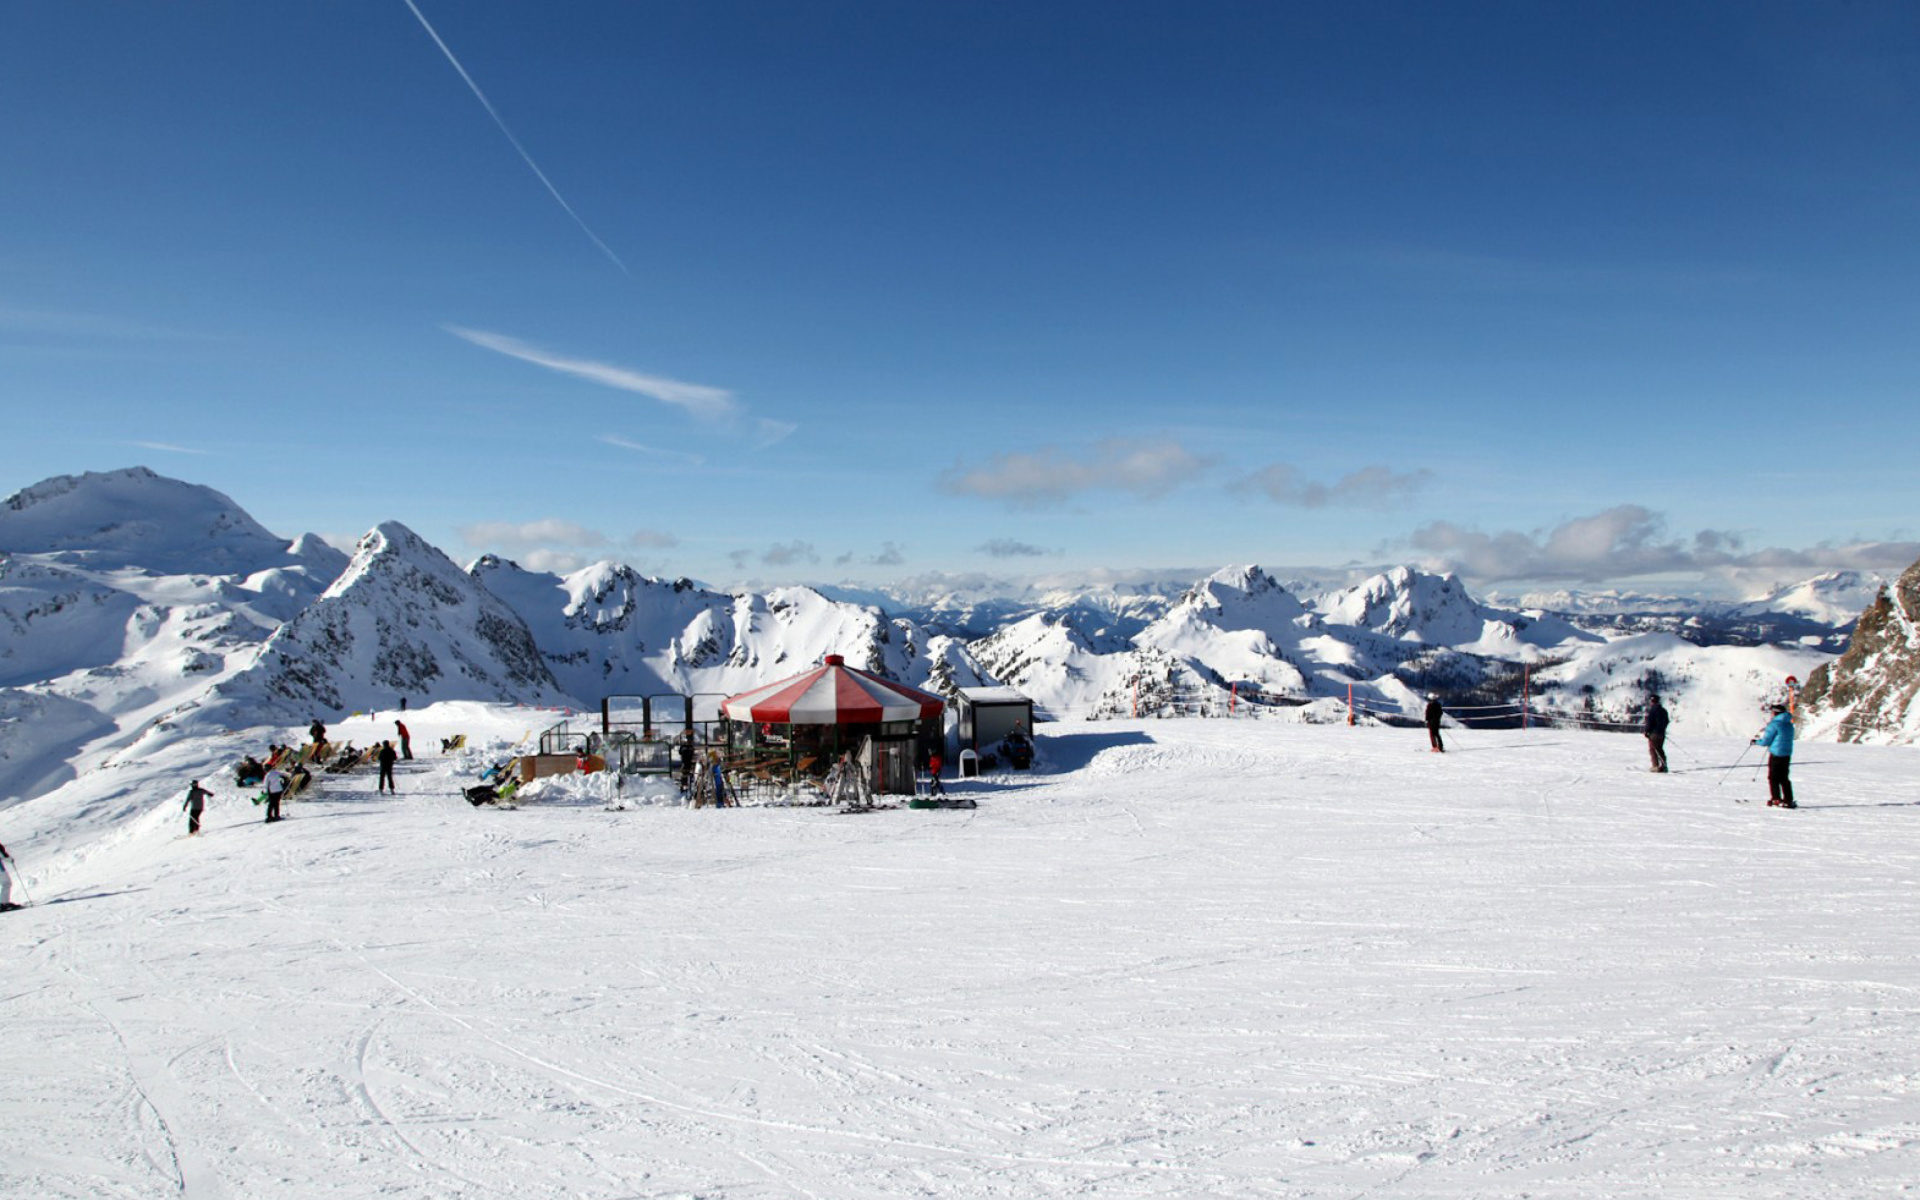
point(1683, 750)
point(1732, 765)
point(19, 878)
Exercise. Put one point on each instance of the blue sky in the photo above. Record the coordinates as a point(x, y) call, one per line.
point(1588, 294)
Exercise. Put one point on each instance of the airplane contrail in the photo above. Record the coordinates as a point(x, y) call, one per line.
point(522, 150)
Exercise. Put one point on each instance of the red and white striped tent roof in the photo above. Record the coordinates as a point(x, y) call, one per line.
point(833, 694)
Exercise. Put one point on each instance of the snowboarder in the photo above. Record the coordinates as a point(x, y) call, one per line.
point(934, 763)
point(406, 741)
point(276, 784)
point(1656, 730)
point(7, 868)
point(386, 759)
point(1777, 737)
point(1434, 714)
point(195, 805)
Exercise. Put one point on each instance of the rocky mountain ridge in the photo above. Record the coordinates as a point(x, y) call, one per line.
point(1872, 692)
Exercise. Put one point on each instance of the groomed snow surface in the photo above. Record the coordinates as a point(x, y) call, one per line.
point(1191, 959)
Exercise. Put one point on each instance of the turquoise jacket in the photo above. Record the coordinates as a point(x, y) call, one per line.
point(1777, 737)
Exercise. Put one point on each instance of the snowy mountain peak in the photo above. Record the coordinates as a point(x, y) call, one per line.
point(136, 518)
point(1245, 596)
point(1834, 598)
point(403, 620)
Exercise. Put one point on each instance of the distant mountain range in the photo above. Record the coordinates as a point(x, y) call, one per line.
point(131, 604)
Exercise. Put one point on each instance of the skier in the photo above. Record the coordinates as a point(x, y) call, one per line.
point(934, 763)
point(7, 868)
point(406, 741)
point(276, 784)
point(195, 805)
point(386, 759)
point(1433, 724)
point(1777, 737)
point(1656, 730)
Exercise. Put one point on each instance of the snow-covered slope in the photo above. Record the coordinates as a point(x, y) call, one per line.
point(1836, 598)
point(122, 596)
point(135, 518)
point(1872, 694)
point(1222, 959)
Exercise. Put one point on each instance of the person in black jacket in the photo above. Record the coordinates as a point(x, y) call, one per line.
point(195, 805)
point(386, 759)
point(1433, 724)
point(1656, 731)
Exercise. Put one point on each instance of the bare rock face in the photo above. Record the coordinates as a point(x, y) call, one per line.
point(1868, 695)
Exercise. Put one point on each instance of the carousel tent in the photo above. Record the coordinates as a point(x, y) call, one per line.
point(833, 694)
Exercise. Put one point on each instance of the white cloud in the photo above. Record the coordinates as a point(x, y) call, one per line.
point(1629, 540)
point(788, 553)
point(768, 432)
point(614, 439)
point(707, 403)
point(1011, 548)
point(166, 448)
point(526, 537)
point(1375, 487)
point(651, 539)
point(1147, 469)
point(555, 562)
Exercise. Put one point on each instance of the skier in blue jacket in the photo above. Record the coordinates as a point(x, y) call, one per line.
point(1777, 737)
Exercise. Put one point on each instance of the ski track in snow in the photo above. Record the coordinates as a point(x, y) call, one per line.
point(1197, 958)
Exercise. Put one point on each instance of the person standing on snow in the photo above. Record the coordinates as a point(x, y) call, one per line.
point(195, 805)
point(686, 762)
point(276, 783)
point(318, 733)
point(1777, 737)
point(1655, 728)
point(934, 763)
point(386, 758)
point(1434, 714)
point(6, 881)
point(406, 741)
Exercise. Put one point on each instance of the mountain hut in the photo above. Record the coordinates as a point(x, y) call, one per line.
point(812, 718)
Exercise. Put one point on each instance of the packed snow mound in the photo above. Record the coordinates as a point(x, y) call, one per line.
point(135, 518)
point(1872, 694)
point(402, 621)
